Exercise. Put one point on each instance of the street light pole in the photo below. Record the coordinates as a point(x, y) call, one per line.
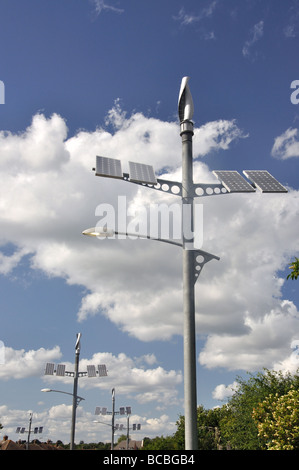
point(190, 393)
point(112, 422)
point(75, 389)
point(230, 182)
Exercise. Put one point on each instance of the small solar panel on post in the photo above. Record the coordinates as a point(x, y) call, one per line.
point(61, 371)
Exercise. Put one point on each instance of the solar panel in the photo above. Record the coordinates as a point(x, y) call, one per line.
point(102, 370)
point(91, 371)
point(142, 173)
point(264, 181)
point(233, 181)
point(109, 167)
point(49, 368)
point(60, 370)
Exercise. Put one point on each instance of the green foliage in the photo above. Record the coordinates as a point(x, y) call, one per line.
point(295, 269)
point(160, 443)
point(238, 427)
point(277, 419)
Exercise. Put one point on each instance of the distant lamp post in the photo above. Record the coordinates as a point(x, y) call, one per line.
point(36, 430)
point(122, 411)
point(61, 372)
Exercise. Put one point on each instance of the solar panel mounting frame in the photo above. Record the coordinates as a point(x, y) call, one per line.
point(108, 167)
point(142, 173)
point(233, 181)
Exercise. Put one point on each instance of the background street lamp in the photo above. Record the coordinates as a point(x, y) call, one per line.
point(66, 393)
point(122, 411)
point(61, 372)
point(230, 182)
point(36, 430)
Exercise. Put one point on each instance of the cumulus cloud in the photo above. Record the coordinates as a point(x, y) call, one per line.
point(20, 364)
point(286, 145)
point(223, 392)
point(49, 195)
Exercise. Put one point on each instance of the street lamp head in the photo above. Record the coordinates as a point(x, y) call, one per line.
point(46, 390)
point(99, 232)
point(186, 108)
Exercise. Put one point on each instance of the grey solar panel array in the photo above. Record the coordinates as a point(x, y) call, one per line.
point(91, 371)
point(142, 173)
point(234, 182)
point(60, 371)
point(102, 370)
point(49, 368)
point(264, 181)
point(109, 167)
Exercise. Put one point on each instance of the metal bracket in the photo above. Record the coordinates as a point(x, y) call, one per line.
point(200, 258)
point(175, 188)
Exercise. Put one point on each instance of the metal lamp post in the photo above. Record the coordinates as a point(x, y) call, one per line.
point(193, 258)
point(61, 372)
point(103, 411)
point(36, 430)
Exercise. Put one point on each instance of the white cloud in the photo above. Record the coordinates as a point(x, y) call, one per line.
point(47, 201)
point(286, 145)
point(138, 378)
point(255, 35)
point(56, 423)
point(222, 392)
point(186, 19)
point(20, 364)
point(101, 6)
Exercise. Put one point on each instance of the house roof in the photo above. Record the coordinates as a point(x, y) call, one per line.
point(133, 445)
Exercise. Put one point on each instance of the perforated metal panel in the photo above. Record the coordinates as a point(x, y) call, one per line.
point(142, 173)
point(234, 182)
point(109, 167)
point(264, 181)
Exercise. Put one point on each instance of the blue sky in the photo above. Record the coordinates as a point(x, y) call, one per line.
point(90, 77)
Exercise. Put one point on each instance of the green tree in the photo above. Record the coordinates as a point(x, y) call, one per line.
point(208, 428)
point(238, 427)
point(277, 419)
point(295, 269)
point(160, 443)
